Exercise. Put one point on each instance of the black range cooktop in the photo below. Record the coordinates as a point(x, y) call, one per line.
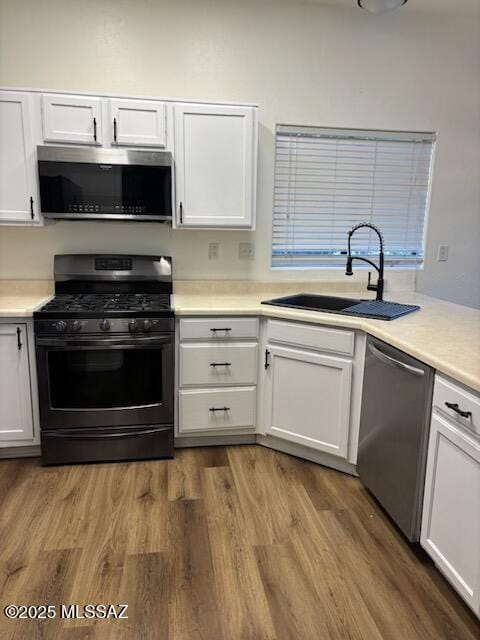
point(105, 304)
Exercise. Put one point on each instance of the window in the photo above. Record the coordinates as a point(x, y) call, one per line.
point(327, 180)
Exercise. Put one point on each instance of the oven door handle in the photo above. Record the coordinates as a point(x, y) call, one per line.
point(104, 342)
point(98, 436)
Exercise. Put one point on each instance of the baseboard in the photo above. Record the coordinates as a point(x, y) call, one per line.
point(305, 453)
point(271, 442)
point(212, 441)
point(31, 451)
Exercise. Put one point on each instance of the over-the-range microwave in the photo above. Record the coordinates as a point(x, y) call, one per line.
point(105, 184)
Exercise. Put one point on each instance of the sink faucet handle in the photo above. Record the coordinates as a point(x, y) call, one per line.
point(371, 287)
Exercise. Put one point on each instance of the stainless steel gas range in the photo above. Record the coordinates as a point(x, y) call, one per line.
point(105, 359)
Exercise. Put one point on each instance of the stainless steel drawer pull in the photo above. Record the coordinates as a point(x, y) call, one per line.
point(454, 407)
point(221, 329)
point(213, 409)
point(220, 364)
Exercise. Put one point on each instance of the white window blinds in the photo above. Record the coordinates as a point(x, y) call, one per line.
point(327, 180)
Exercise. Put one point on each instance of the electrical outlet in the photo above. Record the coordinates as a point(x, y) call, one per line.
point(246, 251)
point(213, 250)
point(442, 253)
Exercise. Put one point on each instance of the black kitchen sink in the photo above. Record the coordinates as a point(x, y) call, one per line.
point(377, 309)
point(314, 302)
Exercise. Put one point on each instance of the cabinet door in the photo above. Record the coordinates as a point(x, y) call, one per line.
point(307, 398)
point(16, 421)
point(76, 119)
point(17, 159)
point(215, 162)
point(451, 508)
point(138, 123)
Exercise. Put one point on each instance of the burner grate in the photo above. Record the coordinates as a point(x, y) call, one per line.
point(108, 302)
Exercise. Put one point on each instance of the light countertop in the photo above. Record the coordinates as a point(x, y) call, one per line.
point(444, 335)
point(20, 305)
point(20, 298)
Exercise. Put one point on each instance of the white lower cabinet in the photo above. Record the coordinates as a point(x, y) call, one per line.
point(16, 411)
point(451, 511)
point(309, 395)
point(216, 409)
point(217, 375)
point(307, 398)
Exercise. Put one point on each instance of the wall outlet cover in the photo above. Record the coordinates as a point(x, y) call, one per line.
point(213, 250)
point(442, 253)
point(246, 251)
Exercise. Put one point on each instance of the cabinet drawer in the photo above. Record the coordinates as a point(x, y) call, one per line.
point(445, 391)
point(236, 409)
point(309, 336)
point(218, 364)
point(220, 329)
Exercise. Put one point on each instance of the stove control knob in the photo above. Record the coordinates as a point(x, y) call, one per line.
point(76, 325)
point(104, 325)
point(60, 326)
point(147, 325)
point(133, 326)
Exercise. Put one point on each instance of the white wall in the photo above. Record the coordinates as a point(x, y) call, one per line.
point(303, 64)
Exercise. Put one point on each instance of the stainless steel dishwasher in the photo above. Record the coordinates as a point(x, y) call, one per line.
point(394, 428)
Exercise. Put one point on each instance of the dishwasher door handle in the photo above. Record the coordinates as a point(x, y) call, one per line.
point(393, 362)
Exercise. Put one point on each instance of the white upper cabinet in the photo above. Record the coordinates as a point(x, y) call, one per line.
point(17, 159)
point(307, 398)
point(139, 123)
point(71, 118)
point(16, 419)
point(215, 165)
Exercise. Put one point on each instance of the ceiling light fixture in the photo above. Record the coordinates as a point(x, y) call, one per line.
point(379, 6)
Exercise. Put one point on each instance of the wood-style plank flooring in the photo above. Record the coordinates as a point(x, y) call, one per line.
point(221, 543)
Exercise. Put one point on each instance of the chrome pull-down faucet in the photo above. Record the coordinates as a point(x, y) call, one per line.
point(349, 272)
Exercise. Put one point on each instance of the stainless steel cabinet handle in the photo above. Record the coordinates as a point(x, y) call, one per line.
point(395, 363)
point(220, 364)
point(454, 407)
point(213, 409)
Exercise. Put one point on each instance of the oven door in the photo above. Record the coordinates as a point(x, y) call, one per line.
point(107, 381)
